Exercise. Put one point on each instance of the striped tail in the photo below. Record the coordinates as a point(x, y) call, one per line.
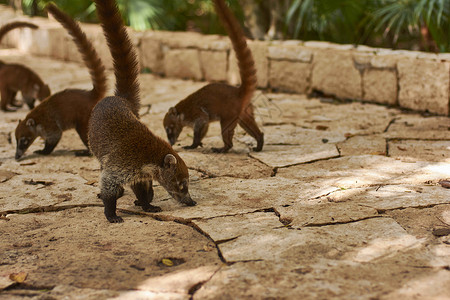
point(244, 55)
point(90, 56)
point(126, 65)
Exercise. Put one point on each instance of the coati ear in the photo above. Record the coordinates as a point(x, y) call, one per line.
point(30, 123)
point(170, 161)
point(173, 111)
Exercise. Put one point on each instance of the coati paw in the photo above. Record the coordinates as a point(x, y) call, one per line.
point(192, 146)
point(152, 208)
point(83, 153)
point(115, 219)
point(9, 109)
point(41, 152)
point(220, 150)
point(257, 149)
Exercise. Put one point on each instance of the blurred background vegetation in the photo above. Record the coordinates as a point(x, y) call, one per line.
point(399, 24)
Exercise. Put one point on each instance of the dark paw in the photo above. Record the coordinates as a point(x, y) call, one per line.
point(9, 109)
point(191, 147)
point(83, 153)
point(115, 219)
point(220, 150)
point(257, 149)
point(191, 203)
point(152, 208)
point(17, 104)
point(42, 152)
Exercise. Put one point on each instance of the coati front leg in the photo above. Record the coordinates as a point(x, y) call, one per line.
point(200, 129)
point(227, 135)
point(50, 144)
point(14, 101)
point(144, 194)
point(82, 132)
point(109, 193)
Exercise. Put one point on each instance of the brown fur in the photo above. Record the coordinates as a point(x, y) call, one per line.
point(220, 102)
point(129, 153)
point(70, 108)
point(16, 77)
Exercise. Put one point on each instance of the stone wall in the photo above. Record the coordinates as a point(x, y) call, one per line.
point(413, 80)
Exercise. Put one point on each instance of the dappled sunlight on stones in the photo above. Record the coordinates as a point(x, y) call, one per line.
point(411, 150)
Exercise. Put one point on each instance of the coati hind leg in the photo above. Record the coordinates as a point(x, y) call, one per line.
point(144, 194)
point(82, 132)
point(248, 123)
point(200, 129)
point(50, 143)
point(227, 135)
point(7, 98)
point(109, 193)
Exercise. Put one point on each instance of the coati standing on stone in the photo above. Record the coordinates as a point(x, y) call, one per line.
point(220, 102)
point(129, 153)
point(16, 77)
point(67, 109)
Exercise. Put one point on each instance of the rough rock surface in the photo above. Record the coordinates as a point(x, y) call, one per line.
point(344, 202)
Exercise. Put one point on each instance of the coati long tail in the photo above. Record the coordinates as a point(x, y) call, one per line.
point(244, 55)
point(90, 56)
point(126, 65)
point(13, 25)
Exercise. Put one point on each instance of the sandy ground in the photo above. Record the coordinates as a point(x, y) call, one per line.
point(344, 202)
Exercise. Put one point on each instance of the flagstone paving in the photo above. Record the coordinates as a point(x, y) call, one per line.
point(346, 201)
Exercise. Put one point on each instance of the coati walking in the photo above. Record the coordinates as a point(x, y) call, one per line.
point(17, 77)
point(70, 108)
point(127, 150)
point(220, 102)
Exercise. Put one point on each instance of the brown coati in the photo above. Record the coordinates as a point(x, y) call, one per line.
point(17, 77)
point(129, 153)
point(70, 108)
point(220, 102)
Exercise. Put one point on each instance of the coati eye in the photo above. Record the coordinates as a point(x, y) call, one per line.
point(24, 141)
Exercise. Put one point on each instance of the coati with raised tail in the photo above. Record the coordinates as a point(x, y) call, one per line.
point(218, 101)
point(17, 77)
point(129, 153)
point(67, 109)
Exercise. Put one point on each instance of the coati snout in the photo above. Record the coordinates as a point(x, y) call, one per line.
point(173, 124)
point(26, 133)
point(175, 179)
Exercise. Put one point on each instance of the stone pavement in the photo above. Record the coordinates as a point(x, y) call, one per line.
point(344, 202)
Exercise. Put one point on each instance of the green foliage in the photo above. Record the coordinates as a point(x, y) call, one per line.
point(418, 24)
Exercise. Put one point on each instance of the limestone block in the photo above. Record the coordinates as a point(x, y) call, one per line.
point(334, 73)
point(260, 55)
point(183, 64)
point(214, 65)
point(290, 76)
point(380, 86)
point(294, 53)
point(424, 85)
point(384, 60)
point(151, 54)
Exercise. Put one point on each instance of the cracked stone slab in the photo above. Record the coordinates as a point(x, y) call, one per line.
point(227, 196)
point(229, 164)
point(413, 126)
point(325, 280)
point(361, 145)
point(366, 170)
point(283, 156)
point(78, 247)
point(412, 150)
point(390, 197)
point(364, 240)
point(320, 212)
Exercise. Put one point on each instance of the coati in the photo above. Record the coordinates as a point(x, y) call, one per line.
point(17, 77)
point(70, 108)
point(129, 153)
point(218, 101)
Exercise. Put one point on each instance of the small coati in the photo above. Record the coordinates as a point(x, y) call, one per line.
point(70, 108)
point(127, 150)
point(220, 102)
point(16, 77)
